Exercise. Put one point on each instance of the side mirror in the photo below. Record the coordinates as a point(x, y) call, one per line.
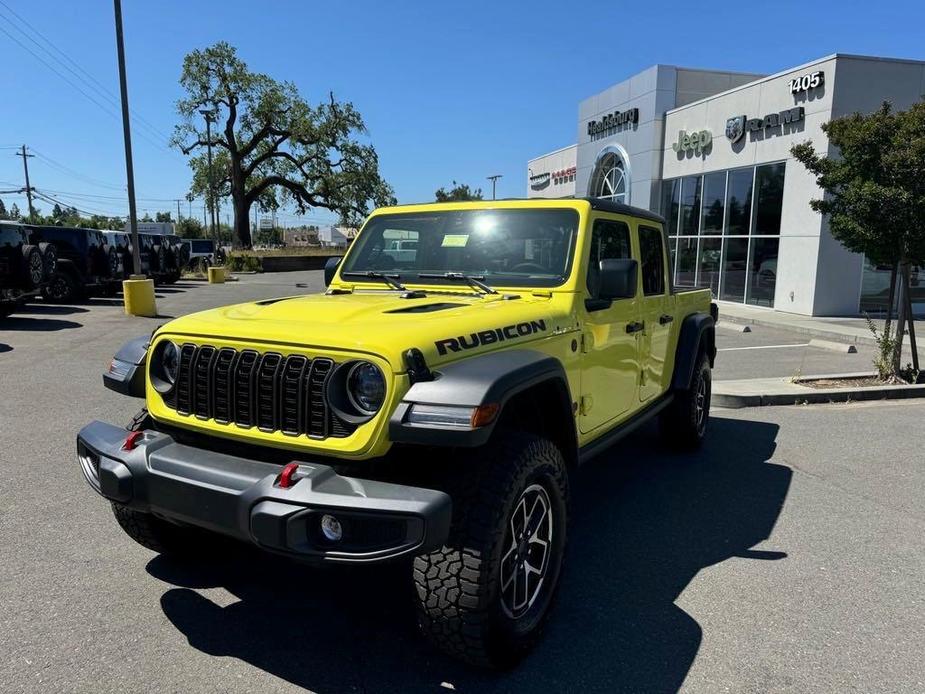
point(617, 279)
point(330, 268)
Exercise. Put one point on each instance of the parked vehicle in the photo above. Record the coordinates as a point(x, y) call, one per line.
point(26, 267)
point(86, 262)
point(202, 251)
point(436, 405)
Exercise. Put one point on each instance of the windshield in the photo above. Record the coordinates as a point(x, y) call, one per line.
point(531, 247)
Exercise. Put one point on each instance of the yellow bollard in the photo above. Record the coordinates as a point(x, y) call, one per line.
point(217, 274)
point(138, 296)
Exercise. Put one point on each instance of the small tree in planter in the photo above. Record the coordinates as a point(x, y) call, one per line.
point(875, 197)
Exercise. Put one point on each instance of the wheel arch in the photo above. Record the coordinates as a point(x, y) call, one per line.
point(698, 334)
point(518, 381)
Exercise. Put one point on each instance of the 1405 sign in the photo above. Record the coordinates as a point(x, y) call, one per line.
point(807, 82)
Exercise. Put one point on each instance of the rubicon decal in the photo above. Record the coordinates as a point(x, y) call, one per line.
point(488, 337)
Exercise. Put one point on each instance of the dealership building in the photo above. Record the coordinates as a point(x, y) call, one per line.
point(710, 151)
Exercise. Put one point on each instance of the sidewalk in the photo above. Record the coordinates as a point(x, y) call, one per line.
point(850, 330)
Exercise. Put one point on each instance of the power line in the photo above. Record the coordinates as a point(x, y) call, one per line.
point(73, 62)
point(72, 84)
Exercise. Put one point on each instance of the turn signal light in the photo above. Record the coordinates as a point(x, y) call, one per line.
point(485, 414)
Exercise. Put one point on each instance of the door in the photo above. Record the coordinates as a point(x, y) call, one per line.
point(610, 361)
point(656, 311)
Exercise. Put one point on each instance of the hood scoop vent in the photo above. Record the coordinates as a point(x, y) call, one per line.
point(426, 308)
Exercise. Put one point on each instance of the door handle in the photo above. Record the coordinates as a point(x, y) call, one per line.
point(665, 318)
point(635, 327)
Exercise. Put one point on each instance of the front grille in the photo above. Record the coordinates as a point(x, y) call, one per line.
point(249, 389)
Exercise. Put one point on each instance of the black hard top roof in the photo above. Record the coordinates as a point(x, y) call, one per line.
point(620, 208)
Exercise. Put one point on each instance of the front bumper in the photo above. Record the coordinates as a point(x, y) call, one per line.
point(243, 498)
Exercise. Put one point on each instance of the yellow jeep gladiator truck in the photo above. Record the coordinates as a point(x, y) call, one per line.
point(428, 406)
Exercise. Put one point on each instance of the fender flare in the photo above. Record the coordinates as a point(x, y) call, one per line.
point(696, 329)
point(492, 378)
point(126, 374)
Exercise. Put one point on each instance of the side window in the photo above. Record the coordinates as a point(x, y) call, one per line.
point(652, 252)
point(609, 239)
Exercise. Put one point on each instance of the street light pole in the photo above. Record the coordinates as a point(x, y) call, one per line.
point(494, 180)
point(209, 115)
point(127, 135)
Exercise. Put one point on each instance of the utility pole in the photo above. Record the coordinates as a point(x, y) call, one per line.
point(25, 167)
point(127, 135)
point(494, 181)
point(209, 115)
point(178, 211)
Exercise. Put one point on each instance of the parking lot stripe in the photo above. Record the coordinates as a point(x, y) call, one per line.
point(736, 349)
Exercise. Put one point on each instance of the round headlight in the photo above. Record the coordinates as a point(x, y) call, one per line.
point(366, 387)
point(170, 361)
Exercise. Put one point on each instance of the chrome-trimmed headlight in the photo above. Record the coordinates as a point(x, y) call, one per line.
point(165, 363)
point(356, 391)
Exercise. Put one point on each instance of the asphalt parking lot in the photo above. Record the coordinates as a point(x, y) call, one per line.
point(787, 555)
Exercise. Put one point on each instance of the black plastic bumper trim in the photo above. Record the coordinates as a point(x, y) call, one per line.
point(240, 497)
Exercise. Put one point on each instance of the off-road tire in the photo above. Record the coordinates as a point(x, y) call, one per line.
point(7, 308)
point(150, 531)
point(114, 264)
point(33, 265)
point(50, 257)
point(458, 587)
point(684, 422)
point(61, 288)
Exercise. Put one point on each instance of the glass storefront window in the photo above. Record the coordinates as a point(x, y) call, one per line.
point(690, 205)
point(708, 264)
point(739, 202)
point(671, 198)
point(686, 275)
point(769, 199)
point(762, 276)
point(735, 266)
point(672, 254)
point(714, 202)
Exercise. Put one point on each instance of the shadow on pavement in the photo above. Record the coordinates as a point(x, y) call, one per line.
point(53, 309)
point(5, 348)
point(644, 522)
point(37, 324)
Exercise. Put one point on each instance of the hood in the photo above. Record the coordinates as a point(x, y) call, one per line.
point(443, 326)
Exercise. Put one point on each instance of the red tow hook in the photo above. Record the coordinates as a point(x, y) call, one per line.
point(131, 441)
point(285, 477)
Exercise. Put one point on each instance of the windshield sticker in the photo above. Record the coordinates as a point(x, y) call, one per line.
point(487, 337)
point(455, 240)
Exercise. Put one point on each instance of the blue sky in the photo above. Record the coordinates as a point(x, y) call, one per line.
point(456, 91)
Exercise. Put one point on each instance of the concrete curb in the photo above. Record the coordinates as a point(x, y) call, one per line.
point(755, 392)
point(842, 347)
point(822, 333)
point(733, 327)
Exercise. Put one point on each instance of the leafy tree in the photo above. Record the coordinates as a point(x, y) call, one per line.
point(875, 192)
point(14, 212)
point(460, 192)
point(3, 212)
point(269, 145)
point(57, 212)
point(163, 217)
point(190, 228)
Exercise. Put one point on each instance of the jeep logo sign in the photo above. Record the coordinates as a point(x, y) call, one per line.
point(488, 337)
point(695, 142)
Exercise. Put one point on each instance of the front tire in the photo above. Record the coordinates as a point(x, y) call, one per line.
point(684, 421)
point(150, 531)
point(485, 596)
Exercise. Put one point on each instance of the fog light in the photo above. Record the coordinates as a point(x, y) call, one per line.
point(331, 528)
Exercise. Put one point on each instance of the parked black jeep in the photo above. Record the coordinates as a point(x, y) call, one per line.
point(120, 245)
point(25, 267)
point(86, 262)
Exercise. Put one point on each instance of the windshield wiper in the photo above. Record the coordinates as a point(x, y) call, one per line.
point(472, 280)
point(391, 280)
